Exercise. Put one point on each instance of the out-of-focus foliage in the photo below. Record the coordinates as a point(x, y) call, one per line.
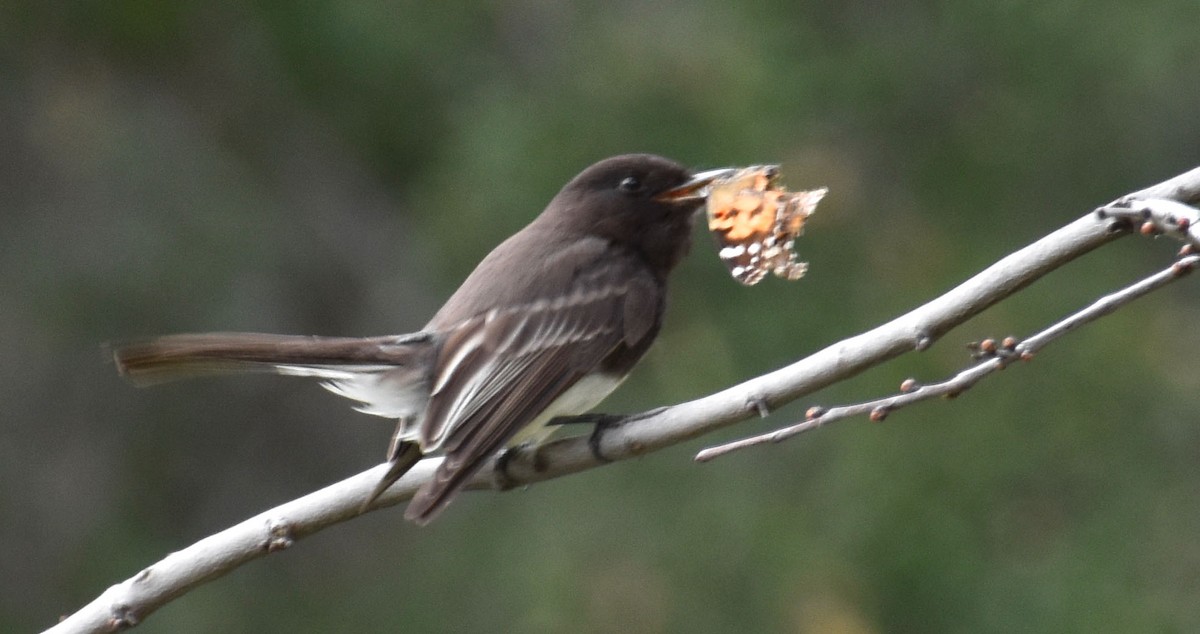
point(336, 168)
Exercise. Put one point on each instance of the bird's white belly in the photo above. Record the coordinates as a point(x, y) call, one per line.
point(579, 398)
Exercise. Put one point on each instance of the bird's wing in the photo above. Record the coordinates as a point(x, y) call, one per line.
point(499, 371)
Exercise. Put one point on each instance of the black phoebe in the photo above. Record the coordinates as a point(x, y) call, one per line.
point(547, 325)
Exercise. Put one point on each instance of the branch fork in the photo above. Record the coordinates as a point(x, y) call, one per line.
point(1151, 217)
point(991, 357)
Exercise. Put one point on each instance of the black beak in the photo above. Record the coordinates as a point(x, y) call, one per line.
point(696, 188)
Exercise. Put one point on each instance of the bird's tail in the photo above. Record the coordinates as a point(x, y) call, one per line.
point(175, 357)
point(386, 375)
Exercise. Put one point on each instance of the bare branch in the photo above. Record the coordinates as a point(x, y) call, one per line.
point(127, 603)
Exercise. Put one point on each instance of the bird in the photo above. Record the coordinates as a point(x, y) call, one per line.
point(547, 325)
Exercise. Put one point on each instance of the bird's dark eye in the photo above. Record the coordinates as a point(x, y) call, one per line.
point(630, 184)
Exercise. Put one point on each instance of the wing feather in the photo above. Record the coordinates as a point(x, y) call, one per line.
point(522, 358)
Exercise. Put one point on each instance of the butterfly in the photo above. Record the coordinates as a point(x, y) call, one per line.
point(756, 222)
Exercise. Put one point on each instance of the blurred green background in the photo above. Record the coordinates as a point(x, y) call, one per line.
point(337, 168)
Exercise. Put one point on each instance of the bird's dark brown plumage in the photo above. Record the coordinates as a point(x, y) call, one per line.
point(572, 301)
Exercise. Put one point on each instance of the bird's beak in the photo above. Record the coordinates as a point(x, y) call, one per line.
point(696, 186)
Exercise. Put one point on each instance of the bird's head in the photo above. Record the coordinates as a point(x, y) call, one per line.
point(642, 201)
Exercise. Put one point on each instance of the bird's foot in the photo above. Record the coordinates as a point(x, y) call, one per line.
point(602, 423)
point(504, 480)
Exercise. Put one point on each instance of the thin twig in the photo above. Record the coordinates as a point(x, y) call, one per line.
point(997, 358)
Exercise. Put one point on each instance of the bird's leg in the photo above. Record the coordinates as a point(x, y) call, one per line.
point(603, 423)
point(584, 419)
